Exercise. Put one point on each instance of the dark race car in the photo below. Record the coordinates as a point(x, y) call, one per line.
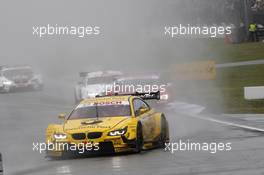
point(142, 84)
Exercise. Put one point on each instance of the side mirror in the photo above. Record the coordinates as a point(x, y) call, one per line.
point(62, 116)
point(143, 110)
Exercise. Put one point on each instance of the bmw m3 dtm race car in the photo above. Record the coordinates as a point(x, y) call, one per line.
point(17, 77)
point(94, 83)
point(109, 124)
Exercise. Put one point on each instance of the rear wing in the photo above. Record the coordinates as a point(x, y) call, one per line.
point(91, 74)
point(143, 95)
point(100, 73)
point(148, 96)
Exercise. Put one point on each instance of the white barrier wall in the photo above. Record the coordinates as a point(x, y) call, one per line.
point(254, 93)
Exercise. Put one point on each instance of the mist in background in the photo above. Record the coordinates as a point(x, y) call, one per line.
point(125, 42)
point(131, 35)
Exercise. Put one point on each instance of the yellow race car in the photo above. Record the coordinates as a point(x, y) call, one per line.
point(109, 124)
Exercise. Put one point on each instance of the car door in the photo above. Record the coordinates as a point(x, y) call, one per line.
point(145, 118)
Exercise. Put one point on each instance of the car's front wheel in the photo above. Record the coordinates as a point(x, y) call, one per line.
point(139, 139)
point(6, 89)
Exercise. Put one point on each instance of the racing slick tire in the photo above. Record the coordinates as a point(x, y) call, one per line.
point(139, 139)
point(6, 89)
point(163, 132)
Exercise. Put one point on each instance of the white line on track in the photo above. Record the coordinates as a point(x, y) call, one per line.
point(227, 123)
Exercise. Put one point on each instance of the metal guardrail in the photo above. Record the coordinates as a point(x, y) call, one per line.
point(241, 63)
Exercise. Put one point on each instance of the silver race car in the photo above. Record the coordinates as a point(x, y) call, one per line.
point(19, 77)
point(94, 83)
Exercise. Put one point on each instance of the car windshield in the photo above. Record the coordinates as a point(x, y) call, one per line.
point(100, 80)
point(18, 73)
point(100, 111)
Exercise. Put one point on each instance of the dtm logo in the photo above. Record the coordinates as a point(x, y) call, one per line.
point(1, 165)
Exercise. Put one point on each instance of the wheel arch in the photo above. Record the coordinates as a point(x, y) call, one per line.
point(51, 129)
point(158, 123)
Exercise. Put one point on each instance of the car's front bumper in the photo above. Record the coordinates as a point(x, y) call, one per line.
point(106, 145)
point(1, 88)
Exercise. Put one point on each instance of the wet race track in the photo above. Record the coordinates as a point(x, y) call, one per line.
point(25, 116)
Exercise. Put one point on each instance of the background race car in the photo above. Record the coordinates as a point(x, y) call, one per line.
point(109, 124)
point(94, 83)
point(142, 83)
point(19, 77)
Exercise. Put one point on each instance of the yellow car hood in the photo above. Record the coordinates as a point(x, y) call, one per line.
point(92, 124)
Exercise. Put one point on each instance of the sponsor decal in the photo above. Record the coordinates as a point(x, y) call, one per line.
point(91, 122)
point(102, 103)
point(200, 70)
point(89, 127)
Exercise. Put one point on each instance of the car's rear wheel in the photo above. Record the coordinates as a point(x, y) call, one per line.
point(163, 132)
point(139, 139)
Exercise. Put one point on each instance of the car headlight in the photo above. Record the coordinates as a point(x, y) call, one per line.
point(8, 83)
point(164, 97)
point(92, 94)
point(118, 132)
point(60, 136)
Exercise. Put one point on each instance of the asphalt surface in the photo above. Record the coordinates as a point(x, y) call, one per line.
point(25, 115)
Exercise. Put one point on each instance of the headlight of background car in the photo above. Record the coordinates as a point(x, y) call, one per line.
point(8, 83)
point(91, 95)
point(164, 97)
point(60, 136)
point(118, 132)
